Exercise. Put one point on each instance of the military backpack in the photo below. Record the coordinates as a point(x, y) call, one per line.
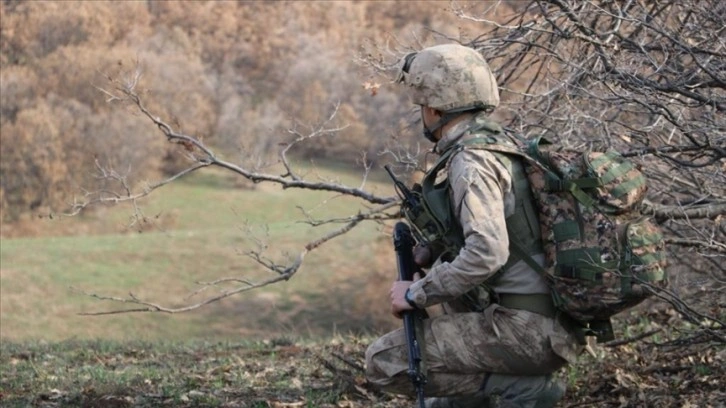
point(602, 255)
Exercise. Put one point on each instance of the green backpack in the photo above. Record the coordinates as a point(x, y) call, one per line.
point(602, 255)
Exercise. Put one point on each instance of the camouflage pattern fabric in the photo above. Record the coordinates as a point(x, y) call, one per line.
point(482, 197)
point(449, 77)
point(599, 249)
point(601, 254)
point(461, 348)
point(508, 391)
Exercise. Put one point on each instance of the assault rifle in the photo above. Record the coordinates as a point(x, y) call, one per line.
point(403, 243)
point(411, 205)
point(409, 199)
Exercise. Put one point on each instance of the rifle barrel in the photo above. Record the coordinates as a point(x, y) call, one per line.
point(403, 243)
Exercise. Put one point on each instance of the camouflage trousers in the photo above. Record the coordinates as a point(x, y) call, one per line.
point(461, 349)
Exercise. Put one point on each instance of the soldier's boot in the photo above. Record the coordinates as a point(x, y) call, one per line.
point(508, 391)
point(477, 400)
point(512, 391)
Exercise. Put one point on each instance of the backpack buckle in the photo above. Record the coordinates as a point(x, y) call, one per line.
point(567, 271)
point(554, 183)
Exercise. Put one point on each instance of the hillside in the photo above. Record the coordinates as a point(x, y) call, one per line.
point(90, 92)
point(285, 372)
point(298, 344)
point(236, 74)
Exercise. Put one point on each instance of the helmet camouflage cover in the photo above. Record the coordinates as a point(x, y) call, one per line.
point(449, 78)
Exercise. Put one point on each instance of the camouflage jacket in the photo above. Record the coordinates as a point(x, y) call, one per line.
point(482, 197)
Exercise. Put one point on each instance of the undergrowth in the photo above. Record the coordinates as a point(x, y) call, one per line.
point(677, 370)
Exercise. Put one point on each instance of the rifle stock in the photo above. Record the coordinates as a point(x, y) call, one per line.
point(403, 242)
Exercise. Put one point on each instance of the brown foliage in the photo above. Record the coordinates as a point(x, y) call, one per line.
point(34, 161)
point(232, 73)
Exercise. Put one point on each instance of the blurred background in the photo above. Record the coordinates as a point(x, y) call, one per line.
point(235, 74)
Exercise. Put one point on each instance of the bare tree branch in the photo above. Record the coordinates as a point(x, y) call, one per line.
point(284, 273)
point(708, 211)
point(646, 79)
point(203, 156)
point(207, 157)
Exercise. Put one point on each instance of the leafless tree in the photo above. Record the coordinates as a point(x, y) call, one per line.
point(124, 90)
point(645, 78)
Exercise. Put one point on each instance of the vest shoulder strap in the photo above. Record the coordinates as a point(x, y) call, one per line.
point(523, 226)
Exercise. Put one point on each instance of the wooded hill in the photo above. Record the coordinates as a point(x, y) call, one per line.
point(236, 74)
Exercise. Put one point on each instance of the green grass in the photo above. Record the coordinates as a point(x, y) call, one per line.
point(205, 224)
point(273, 347)
point(289, 371)
point(140, 374)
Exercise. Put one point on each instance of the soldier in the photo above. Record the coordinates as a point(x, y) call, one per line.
point(500, 340)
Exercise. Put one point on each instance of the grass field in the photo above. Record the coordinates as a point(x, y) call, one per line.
point(199, 229)
point(289, 373)
point(295, 344)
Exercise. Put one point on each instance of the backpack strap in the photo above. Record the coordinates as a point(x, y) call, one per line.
point(602, 329)
point(523, 228)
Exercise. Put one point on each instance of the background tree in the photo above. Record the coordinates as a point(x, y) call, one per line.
point(242, 86)
point(242, 80)
point(645, 79)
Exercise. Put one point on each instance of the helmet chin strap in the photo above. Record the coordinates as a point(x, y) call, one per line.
point(429, 132)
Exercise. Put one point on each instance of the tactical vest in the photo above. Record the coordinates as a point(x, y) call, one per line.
point(440, 227)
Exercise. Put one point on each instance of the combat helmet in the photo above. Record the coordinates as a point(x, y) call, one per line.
point(449, 78)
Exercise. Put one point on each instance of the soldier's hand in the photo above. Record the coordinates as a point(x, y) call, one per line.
point(398, 296)
point(422, 255)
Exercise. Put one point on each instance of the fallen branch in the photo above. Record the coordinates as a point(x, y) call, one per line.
point(710, 211)
point(616, 343)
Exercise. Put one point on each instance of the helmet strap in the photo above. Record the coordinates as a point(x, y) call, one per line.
point(446, 118)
